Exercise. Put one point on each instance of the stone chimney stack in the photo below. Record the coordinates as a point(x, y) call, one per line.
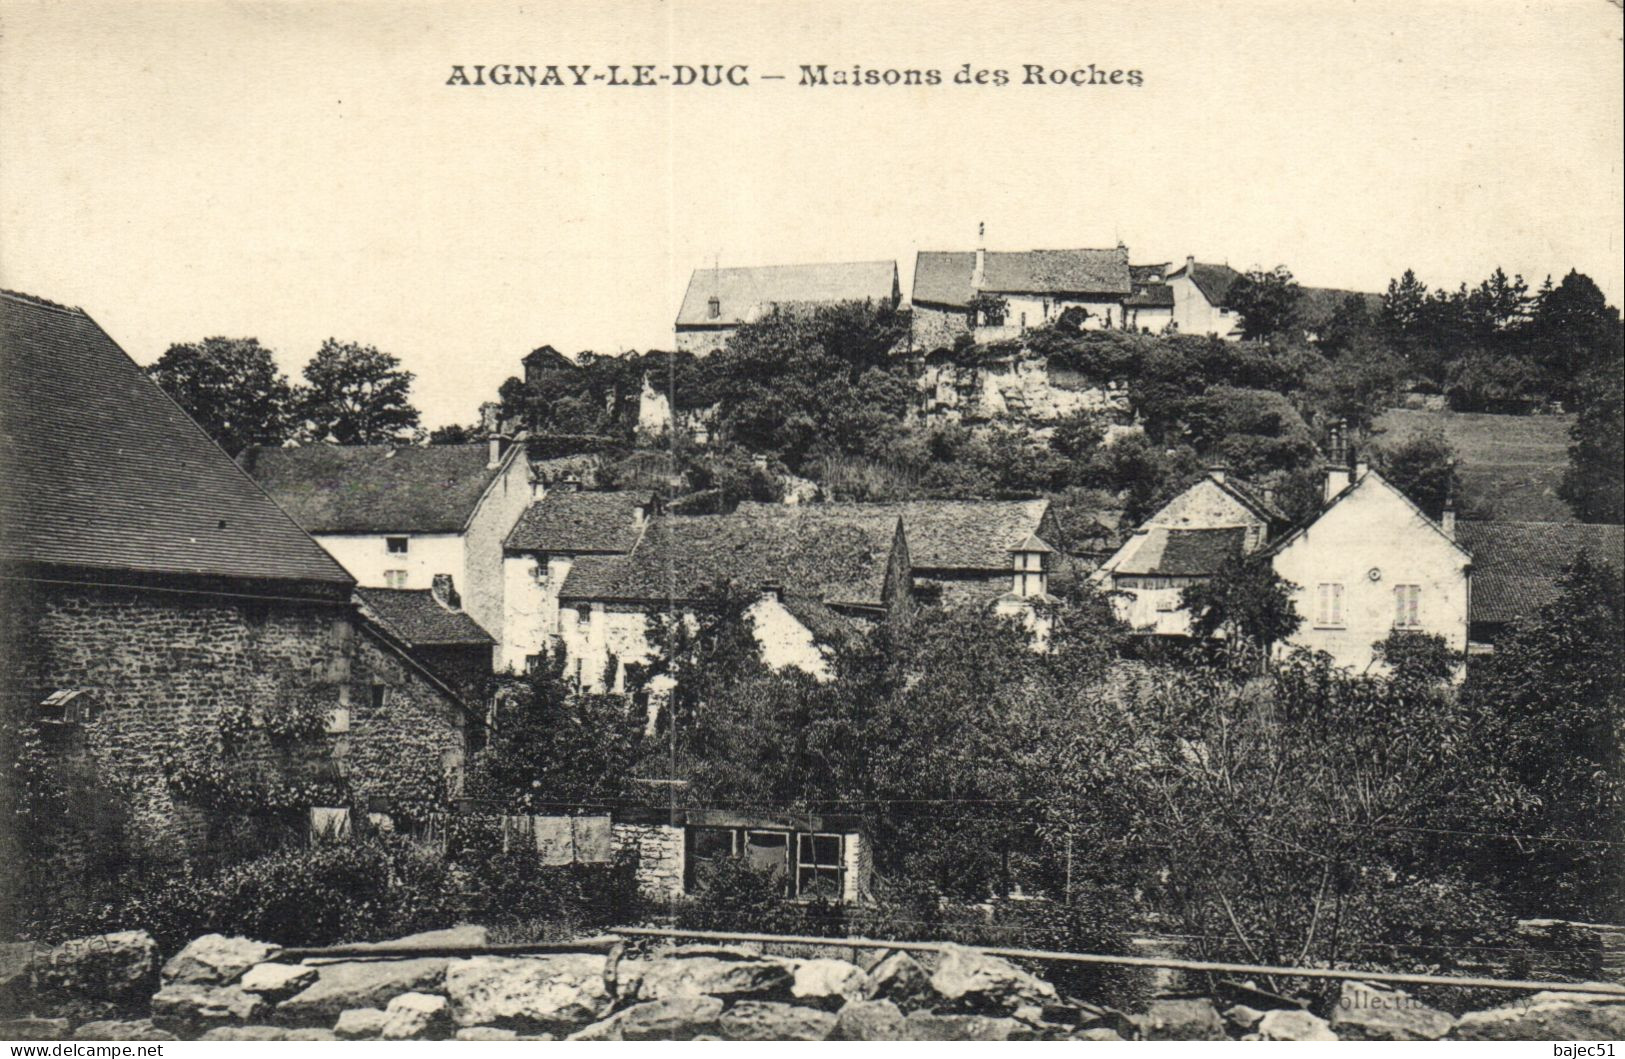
point(444, 592)
point(1447, 520)
point(1190, 263)
point(980, 274)
point(1337, 468)
point(1216, 472)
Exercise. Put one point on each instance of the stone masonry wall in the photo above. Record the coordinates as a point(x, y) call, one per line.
point(659, 849)
point(161, 665)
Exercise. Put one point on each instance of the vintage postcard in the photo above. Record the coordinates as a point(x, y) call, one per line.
point(729, 520)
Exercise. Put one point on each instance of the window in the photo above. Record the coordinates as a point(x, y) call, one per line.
point(539, 571)
point(768, 851)
point(714, 306)
point(1408, 606)
point(584, 614)
point(1329, 605)
point(338, 721)
point(820, 867)
point(379, 695)
point(394, 578)
point(396, 545)
point(1167, 602)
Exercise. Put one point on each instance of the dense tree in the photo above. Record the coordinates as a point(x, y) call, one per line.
point(356, 395)
point(453, 434)
point(1247, 601)
point(232, 387)
point(1575, 332)
point(1554, 692)
point(1267, 302)
point(1423, 467)
point(1594, 483)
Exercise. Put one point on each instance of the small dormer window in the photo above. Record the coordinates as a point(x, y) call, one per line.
point(1030, 577)
point(714, 307)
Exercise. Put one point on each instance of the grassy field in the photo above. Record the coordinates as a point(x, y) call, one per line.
point(1510, 465)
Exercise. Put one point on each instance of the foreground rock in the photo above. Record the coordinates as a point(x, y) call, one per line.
point(827, 983)
point(900, 979)
point(869, 1020)
point(98, 975)
point(555, 993)
point(1546, 1016)
point(215, 959)
point(183, 1007)
point(1366, 1012)
point(1286, 1024)
point(966, 980)
point(417, 1017)
point(767, 1020)
point(122, 1030)
point(1181, 1020)
point(359, 984)
point(681, 1018)
point(34, 1029)
point(360, 1024)
point(269, 1033)
point(277, 981)
point(711, 972)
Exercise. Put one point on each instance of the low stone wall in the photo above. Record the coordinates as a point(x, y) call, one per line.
point(222, 988)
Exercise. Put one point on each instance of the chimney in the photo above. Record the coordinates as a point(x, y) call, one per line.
point(1269, 496)
point(494, 449)
point(445, 592)
point(1447, 521)
point(570, 484)
point(1190, 263)
point(1337, 469)
point(1361, 466)
point(640, 515)
point(980, 273)
point(1216, 472)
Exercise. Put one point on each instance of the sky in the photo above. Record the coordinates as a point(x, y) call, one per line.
point(298, 171)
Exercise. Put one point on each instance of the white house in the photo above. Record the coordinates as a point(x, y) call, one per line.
point(547, 541)
point(719, 300)
point(1372, 562)
point(397, 516)
point(1199, 293)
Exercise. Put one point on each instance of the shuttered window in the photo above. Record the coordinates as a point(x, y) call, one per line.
point(1329, 604)
point(1408, 606)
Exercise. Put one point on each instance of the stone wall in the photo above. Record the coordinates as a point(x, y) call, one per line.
point(659, 849)
point(159, 667)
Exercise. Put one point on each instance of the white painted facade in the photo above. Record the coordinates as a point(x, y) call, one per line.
point(1371, 563)
point(1193, 314)
point(369, 558)
point(530, 600)
point(1025, 311)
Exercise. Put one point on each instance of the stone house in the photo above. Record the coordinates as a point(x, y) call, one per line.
point(1185, 542)
point(157, 608)
point(399, 516)
point(967, 552)
point(814, 577)
point(564, 525)
point(719, 300)
point(1517, 567)
point(1037, 286)
point(1371, 562)
point(1150, 307)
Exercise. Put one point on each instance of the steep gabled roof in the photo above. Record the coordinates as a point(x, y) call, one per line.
point(1281, 543)
point(948, 277)
point(746, 294)
point(99, 469)
point(1516, 565)
point(377, 488)
point(1183, 552)
point(1253, 498)
point(836, 561)
point(420, 620)
point(579, 523)
point(949, 534)
point(1214, 281)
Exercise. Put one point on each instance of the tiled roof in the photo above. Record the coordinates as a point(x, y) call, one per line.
point(100, 469)
point(947, 277)
point(1183, 552)
point(417, 618)
point(1516, 565)
point(1148, 273)
point(1214, 281)
point(745, 294)
point(835, 560)
point(952, 534)
point(1151, 296)
point(579, 523)
point(1253, 498)
point(376, 488)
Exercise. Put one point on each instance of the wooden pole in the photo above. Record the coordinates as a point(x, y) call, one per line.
point(1590, 988)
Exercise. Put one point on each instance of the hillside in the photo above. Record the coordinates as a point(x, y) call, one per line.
point(1510, 465)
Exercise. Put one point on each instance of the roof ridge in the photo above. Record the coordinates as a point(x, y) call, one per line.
point(45, 303)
